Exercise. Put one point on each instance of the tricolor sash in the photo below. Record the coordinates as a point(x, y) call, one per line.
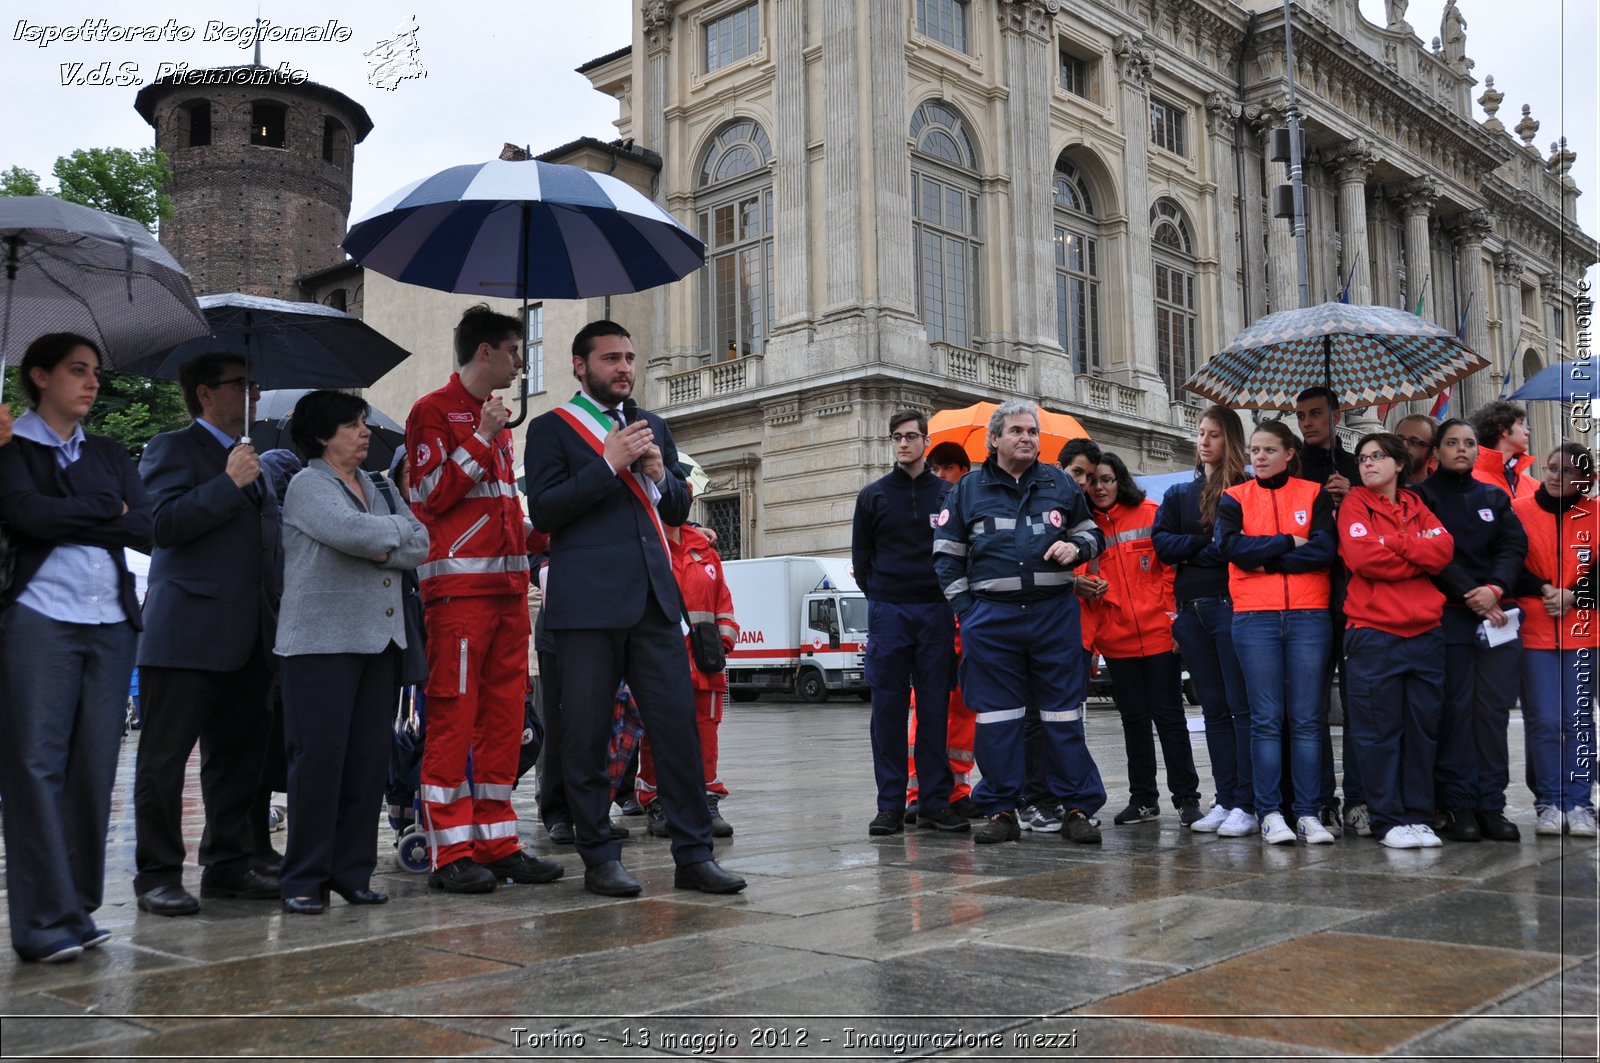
point(592, 426)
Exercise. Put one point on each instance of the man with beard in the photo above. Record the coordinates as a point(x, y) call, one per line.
point(603, 476)
point(1003, 550)
point(475, 589)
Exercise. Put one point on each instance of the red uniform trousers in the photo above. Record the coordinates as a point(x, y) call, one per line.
point(961, 732)
point(709, 706)
point(477, 678)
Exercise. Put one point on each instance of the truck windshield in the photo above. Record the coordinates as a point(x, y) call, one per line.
point(854, 614)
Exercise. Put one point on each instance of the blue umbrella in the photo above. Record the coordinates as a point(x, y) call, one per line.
point(1562, 382)
point(524, 230)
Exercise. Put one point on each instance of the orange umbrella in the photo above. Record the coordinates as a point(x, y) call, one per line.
point(968, 428)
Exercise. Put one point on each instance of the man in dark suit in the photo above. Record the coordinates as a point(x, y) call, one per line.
point(210, 623)
point(602, 476)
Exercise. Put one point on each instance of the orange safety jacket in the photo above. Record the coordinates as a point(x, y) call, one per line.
point(1560, 552)
point(698, 569)
point(1513, 479)
point(1134, 618)
point(1266, 571)
point(465, 493)
point(1390, 550)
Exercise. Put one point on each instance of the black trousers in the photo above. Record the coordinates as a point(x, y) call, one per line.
point(1149, 691)
point(552, 787)
point(337, 714)
point(651, 656)
point(226, 712)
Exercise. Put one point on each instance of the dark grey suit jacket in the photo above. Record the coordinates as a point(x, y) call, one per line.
point(217, 571)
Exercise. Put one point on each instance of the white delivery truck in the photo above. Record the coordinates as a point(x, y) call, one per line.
point(802, 628)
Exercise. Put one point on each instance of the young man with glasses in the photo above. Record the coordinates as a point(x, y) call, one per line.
point(912, 630)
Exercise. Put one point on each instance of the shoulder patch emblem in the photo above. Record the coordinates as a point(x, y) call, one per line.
point(1358, 530)
point(424, 452)
point(1299, 516)
point(711, 570)
point(1055, 518)
point(943, 518)
point(1486, 514)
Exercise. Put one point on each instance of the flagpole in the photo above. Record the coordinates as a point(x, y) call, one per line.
point(1296, 177)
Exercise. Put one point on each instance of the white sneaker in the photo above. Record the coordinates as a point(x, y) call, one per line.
point(1401, 837)
point(1312, 832)
point(1211, 821)
point(1239, 824)
point(1275, 830)
point(1546, 819)
point(1357, 821)
point(1580, 822)
point(1425, 836)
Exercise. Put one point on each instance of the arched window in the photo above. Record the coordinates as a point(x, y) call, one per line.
point(269, 124)
point(198, 115)
point(1077, 243)
point(1172, 244)
point(733, 206)
point(944, 196)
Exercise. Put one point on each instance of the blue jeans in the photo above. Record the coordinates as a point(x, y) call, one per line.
point(1558, 691)
point(1284, 655)
point(1204, 630)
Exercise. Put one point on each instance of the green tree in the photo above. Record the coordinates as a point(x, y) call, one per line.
point(130, 408)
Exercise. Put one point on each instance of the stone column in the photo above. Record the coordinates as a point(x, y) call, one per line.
point(657, 19)
point(1135, 60)
point(841, 154)
point(891, 175)
point(1222, 117)
point(791, 177)
point(1416, 200)
point(1353, 166)
point(1025, 38)
point(1283, 287)
point(1508, 269)
point(1470, 230)
point(1550, 300)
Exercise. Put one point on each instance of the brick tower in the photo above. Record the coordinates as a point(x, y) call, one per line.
point(261, 172)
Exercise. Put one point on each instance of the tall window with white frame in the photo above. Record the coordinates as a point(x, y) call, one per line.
point(944, 21)
point(533, 348)
point(733, 210)
point(944, 193)
point(1077, 244)
point(1172, 242)
point(732, 36)
point(1169, 127)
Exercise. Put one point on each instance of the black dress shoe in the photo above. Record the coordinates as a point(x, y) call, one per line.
point(707, 877)
point(462, 876)
point(1497, 828)
point(1460, 827)
point(561, 833)
point(610, 879)
point(246, 885)
point(168, 900)
point(362, 896)
point(304, 905)
point(523, 866)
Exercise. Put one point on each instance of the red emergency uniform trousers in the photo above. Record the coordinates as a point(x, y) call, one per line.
point(709, 707)
point(477, 677)
point(961, 731)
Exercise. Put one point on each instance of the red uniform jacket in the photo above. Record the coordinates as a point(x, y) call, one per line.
point(1390, 550)
point(465, 493)
point(1561, 552)
point(698, 569)
point(1134, 619)
point(1515, 481)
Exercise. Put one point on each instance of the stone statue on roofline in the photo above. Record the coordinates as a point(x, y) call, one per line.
point(1453, 34)
point(1397, 14)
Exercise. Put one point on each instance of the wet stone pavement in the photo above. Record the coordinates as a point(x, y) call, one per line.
point(1160, 943)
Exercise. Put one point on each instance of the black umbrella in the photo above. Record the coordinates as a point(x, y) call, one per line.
point(286, 344)
point(70, 268)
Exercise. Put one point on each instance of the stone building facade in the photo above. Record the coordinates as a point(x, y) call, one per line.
point(928, 203)
point(261, 174)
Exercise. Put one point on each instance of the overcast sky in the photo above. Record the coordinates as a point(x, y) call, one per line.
point(502, 71)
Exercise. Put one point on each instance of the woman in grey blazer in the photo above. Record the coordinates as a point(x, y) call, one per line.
point(340, 629)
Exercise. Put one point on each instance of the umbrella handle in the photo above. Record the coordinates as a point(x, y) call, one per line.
point(522, 398)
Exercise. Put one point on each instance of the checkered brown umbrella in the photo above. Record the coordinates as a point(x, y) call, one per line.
point(1368, 355)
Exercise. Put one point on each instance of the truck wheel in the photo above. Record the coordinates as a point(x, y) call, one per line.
point(811, 686)
point(741, 695)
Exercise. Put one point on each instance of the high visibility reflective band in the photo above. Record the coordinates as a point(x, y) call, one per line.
point(643, 787)
point(1069, 716)
point(1001, 715)
point(424, 487)
point(1081, 527)
point(468, 463)
point(698, 617)
point(1132, 534)
point(950, 546)
point(1004, 583)
point(494, 791)
point(958, 587)
point(985, 525)
point(1052, 579)
point(728, 630)
point(450, 836)
point(488, 831)
point(962, 777)
point(472, 566)
point(964, 755)
point(440, 795)
point(492, 489)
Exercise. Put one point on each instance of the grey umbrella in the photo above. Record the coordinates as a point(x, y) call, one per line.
point(70, 268)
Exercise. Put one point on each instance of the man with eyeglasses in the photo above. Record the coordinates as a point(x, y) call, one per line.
point(911, 630)
point(1417, 432)
point(205, 660)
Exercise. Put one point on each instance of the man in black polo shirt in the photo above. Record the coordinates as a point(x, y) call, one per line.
point(911, 631)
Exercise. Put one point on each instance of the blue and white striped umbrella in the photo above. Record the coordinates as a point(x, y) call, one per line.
point(528, 230)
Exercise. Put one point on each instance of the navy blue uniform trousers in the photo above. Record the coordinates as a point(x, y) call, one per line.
point(1392, 708)
point(910, 645)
